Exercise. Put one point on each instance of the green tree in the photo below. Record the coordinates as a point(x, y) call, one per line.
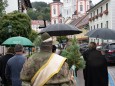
point(32, 14)
point(33, 35)
point(41, 10)
point(39, 4)
point(73, 55)
point(3, 4)
point(37, 41)
point(20, 22)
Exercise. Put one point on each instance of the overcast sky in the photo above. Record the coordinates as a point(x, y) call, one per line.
point(47, 1)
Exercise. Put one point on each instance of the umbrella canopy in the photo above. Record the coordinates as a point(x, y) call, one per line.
point(18, 40)
point(89, 33)
point(103, 33)
point(60, 30)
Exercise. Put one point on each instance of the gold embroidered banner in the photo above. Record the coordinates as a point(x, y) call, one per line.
point(48, 70)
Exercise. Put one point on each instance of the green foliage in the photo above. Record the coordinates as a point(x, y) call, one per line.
point(39, 4)
point(37, 42)
point(20, 22)
point(33, 35)
point(41, 10)
point(61, 38)
point(32, 14)
point(73, 55)
point(3, 4)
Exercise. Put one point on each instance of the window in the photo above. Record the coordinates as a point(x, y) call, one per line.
point(94, 26)
point(91, 28)
point(97, 11)
point(101, 25)
point(67, 12)
point(81, 7)
point(101, 9)
point(107, 24)
point(107, 6)
point(94, 13)
point(97, 41)
point(91, 14)
point(54, 11)
point(97, 25)
point(94, 40)
point(91, 40)
point(54, 21)
point(87, 7)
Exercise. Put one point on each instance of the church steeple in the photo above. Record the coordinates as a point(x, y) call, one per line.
point(91, 4)
point(82, 6)
point(56, 12)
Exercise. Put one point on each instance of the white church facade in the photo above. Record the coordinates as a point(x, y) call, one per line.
point(60, 12)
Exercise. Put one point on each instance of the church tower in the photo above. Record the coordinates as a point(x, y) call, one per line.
point(82, 6)
point(69, 8)
point(56, 12)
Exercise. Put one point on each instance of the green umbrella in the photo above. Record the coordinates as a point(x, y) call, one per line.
point(18, 40)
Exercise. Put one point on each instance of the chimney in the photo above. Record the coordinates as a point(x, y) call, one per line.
point(91, 4)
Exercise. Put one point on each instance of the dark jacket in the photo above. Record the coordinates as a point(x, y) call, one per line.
point(13, 69)
point(95, 73)
point(3, 63)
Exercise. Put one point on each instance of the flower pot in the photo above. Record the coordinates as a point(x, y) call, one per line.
point(106, 12)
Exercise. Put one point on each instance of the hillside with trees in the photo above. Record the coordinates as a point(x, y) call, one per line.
point(3, 4)
point(39, 11)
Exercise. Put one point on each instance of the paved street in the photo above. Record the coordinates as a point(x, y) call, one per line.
point(111, 70)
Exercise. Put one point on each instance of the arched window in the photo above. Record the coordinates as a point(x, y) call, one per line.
point(54, 10)
point(81, 7)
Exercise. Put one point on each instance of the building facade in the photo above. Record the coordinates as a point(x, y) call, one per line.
point(82, 6)
point(37, 25)
point(60, 12)
point(102, 16)
point(69, 8)
point(18, 5)
point(56, 12)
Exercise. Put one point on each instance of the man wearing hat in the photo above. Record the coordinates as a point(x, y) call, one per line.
point(45, 68)
point(14, 66)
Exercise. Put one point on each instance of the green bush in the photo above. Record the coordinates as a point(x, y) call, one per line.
point(73, 55)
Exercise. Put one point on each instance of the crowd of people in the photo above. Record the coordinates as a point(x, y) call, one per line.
point(17, 70)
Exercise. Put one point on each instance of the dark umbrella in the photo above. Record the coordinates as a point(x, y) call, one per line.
point(103, 33)
point(90, 32)
point(60, 30)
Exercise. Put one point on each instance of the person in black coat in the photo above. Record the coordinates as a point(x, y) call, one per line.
point(3, 61)
point(95, 72)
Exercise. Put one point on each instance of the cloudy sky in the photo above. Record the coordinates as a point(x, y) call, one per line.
point(47, 1)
